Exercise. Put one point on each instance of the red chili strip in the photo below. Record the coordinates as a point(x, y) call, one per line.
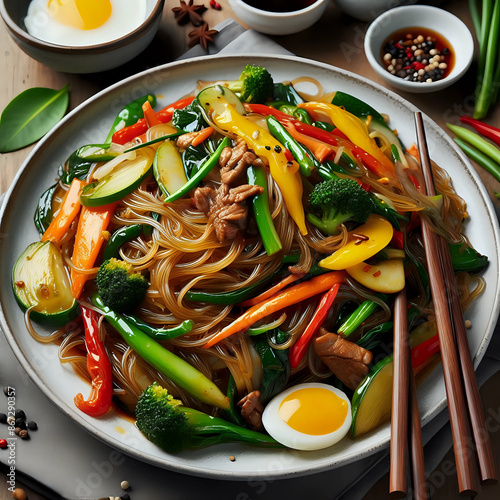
point(129, 133)
point(99, 368)
point(298, 349)
point(422, 352)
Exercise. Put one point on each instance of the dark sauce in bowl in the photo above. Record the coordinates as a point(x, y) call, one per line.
point(417, 54)
point(280, 5)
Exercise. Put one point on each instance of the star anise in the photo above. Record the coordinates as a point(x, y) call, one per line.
point(188, 12)
point(201, 35)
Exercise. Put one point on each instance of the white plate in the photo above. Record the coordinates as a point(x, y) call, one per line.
point(89, 123)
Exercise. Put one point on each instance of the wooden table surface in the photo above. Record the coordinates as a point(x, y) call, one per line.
point(336, 39)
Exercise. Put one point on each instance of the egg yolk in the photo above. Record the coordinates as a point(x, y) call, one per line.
point(80, 14)
point(313, 411)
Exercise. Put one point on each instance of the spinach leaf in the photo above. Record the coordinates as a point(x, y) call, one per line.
point(43, 212)
point(275, 365)
point(30, 115)
point(193, 158)
point(189, 119)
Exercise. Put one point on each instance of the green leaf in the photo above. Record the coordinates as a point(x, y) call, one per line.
point(30, 115)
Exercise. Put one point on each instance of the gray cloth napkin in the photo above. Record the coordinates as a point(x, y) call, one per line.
point(75, 466)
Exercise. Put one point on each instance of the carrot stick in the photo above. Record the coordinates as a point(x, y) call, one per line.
point(319, 149)
point(150, 115)
point(70, 207)
point(288, 297)
point(88, 241)
point(271, 291)
point(202, 135)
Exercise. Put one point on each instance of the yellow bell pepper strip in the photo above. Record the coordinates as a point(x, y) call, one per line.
point(88, 242)
point(284, 172)
point(362, 243)
point(286, 298)
point(354, 128)
point(70, 207)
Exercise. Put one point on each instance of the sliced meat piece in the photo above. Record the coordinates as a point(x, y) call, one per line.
point(203, 198)
point(251, 410)
point(346, 360)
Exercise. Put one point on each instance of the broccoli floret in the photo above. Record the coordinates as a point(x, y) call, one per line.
point(120, 288)
point(337, 201)
point(255, 85)
point(174, 427)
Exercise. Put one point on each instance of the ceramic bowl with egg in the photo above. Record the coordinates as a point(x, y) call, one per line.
point(419, 48)
point(82, 37)
point(279, 17)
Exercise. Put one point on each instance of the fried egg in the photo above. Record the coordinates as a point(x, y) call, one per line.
point(309, 416)
point(83, 22)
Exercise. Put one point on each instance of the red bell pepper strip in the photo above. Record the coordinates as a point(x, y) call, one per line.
point(298, 349)
point(126, 134)
point(99, 368)
point(484, 129)
point(422, 352)
point(397, 239)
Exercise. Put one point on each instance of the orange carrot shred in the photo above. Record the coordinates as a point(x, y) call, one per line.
point(277, 302)
point(150, 115)
point(271, 291)
point(202, 135)
point(69, 210)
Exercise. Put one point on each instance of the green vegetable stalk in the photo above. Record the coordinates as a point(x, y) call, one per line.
point(174, 427)
point(166, 362)
point(305, 162)
point(203, 171)
point(160, 333)
point(483, 160)
point(360, 314)
point(120, 237)
point(488, 58)
point(260, 205)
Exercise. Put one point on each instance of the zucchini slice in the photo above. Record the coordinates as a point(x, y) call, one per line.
point(120, 181)
point(208, 98)
point(168, 168)
point(40, 279)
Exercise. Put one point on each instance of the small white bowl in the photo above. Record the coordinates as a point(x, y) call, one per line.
point(82, 59)
point(438, 20)
point(278, 23)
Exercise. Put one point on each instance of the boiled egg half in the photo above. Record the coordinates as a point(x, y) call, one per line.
point(83, 22)
point(309, 416)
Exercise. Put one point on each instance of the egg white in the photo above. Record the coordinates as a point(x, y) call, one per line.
point(291, 438)
point(126, 16)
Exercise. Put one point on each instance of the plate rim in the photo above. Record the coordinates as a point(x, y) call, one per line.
point(195, 470)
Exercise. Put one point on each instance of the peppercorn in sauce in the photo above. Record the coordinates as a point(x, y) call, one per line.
point(417, 55)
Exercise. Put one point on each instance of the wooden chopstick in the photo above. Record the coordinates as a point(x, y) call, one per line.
point(419, 486)
point(400, 398)
point(474, 404)
point(404, 397)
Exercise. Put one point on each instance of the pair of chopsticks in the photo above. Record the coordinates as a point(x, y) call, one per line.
point(464, 402)
point(404, 397)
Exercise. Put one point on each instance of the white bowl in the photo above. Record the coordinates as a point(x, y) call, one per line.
point(438, 20)
point(278, 23)
point(83, 59)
